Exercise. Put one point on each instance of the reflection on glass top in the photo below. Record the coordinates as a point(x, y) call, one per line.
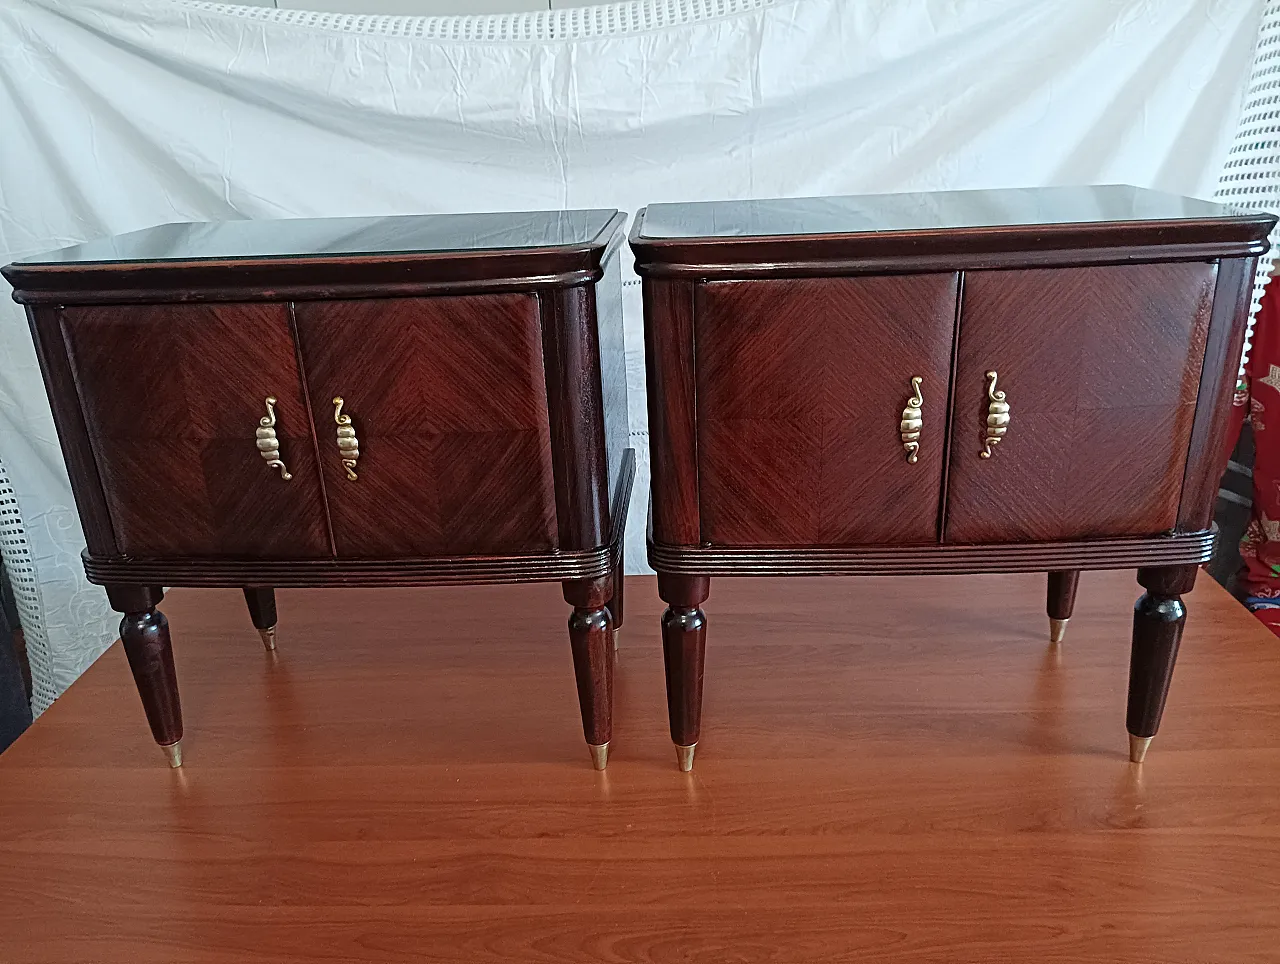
point(403, 234)
point(920, 212)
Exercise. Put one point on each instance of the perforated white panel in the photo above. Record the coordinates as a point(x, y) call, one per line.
point(600, 20)
point(16, 555)
point(1251, 175)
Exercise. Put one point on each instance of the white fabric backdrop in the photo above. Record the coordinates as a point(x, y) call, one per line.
point(119, 115)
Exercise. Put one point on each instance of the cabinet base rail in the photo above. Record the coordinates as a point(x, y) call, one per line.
point(1188, 548)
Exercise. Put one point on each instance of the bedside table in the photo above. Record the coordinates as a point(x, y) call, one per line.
point(984, 381)
point(399, 401)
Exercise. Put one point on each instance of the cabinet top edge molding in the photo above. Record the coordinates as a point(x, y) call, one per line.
point(326, 257)
point(960, 225)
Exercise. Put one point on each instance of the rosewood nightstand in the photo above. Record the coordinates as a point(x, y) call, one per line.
point(399, 401)
point(984, 381)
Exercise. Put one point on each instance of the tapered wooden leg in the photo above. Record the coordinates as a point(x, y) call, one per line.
point(684, 639)
point(145, 634)
point(1061, 600)
point(591, 637)
point(1158, 619)
point(262, 610)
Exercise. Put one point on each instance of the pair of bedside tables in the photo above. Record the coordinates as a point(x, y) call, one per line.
point(991, 381)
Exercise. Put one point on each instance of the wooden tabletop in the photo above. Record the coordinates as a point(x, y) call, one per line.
point(905, 773)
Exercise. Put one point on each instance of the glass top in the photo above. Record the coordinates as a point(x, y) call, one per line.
point(294, 238)
point(921, 212)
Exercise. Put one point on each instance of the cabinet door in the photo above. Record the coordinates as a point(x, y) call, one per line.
point(447, 399)
point(173, 397)
point(1100, 368)
point(801, 386)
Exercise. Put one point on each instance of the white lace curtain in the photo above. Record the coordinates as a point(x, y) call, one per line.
point(119, 114)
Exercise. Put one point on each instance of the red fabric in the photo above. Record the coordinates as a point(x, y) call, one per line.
point(1260, 548)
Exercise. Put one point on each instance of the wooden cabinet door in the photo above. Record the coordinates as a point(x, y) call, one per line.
point(447, 398)
point(801, 386)
point(173, 396)
point(1100, 368)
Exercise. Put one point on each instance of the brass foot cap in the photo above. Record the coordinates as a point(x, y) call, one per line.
point(684, 756)
point(1057, 629)
point(174, 752)
point(599, 755)
point(617, 631)
point(1138, 747)
point(268, 637)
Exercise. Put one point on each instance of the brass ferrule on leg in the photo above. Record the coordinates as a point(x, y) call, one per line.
point(1057, 630)
point(684, 756)
point(173, 752)
point(599, 755)
point(1138, 747)
point(268, 637)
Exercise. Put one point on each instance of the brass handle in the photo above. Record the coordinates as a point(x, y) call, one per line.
point(997, 417)
point(348, 444)
point(268, 444)
point(912, 422)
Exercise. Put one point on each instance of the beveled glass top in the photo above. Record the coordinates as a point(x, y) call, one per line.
point(878, 213)
point(302, 238)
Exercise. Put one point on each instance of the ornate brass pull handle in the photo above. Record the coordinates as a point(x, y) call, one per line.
point(348, 444)
point(268, 444)
point(997, 417)
point(912, 422)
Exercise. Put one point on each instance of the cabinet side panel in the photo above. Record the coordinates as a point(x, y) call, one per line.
point(575, 405)
point(73, 434)
point(673, 449)
point(1209, 450)
point(613, 364)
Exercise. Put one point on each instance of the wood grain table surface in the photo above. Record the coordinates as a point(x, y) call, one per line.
point(892, 769)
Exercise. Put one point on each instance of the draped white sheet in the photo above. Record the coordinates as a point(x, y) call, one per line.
point(118, 115)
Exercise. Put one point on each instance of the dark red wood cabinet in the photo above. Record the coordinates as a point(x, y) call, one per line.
point(384, 401)
point(987, 381)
